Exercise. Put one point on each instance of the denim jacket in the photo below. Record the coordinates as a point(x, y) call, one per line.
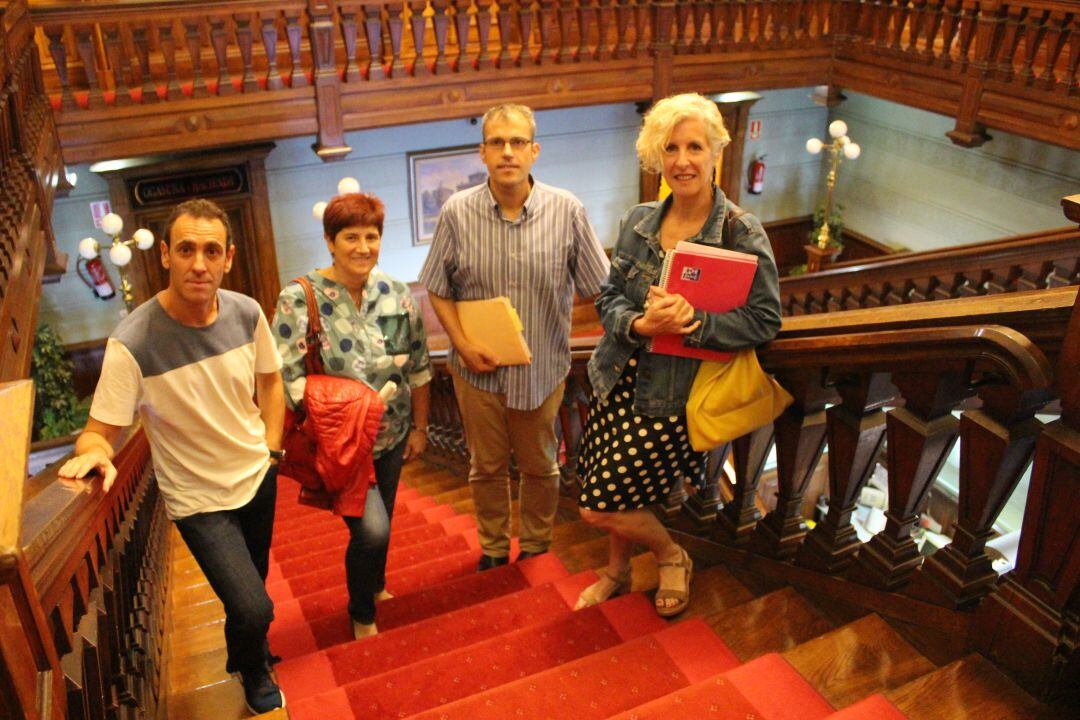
point(663, 381)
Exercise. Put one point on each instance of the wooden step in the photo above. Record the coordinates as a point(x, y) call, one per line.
point(969, 689)
point(712, 591)
point(858, 659)
point(776, 622)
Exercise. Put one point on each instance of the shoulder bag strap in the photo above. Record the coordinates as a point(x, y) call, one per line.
point(728, 238)
point(313, 363)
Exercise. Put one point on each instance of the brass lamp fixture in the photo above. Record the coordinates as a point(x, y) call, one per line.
point(841, 144)
point(119, 251)
point(345, 186)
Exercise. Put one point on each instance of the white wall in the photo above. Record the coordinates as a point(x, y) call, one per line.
point(912, 187)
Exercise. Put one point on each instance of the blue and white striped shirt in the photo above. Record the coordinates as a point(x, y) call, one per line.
point(537, 260)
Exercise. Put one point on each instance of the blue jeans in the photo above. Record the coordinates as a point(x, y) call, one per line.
point(232, 548)
point(369, 538)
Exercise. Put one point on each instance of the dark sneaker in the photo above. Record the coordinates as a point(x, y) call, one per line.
point(261, 693)
point(487, 562)
point(525, 554)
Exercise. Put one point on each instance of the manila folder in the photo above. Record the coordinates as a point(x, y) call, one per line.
point(494, 323)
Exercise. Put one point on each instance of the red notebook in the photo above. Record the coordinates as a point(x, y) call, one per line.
point(711, 279)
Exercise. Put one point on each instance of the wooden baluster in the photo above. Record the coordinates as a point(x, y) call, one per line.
point(546, 21)
point(506, 12)
point(641, 23)
point(114, 49)
point(84, 44)
point(718, 23)
point(604, 15)
point(918, 17)
point(920, 437)
point(269, 34)
point(193, 39)
point(58, 52)
point(701, 11)
point(219, 39)
point(418, 22)
point(395, 25)
point(1071, 80)
point(856, 432)
point(441, 22)
point(703, 504)
point(167, 45)
point(778, 22)
point(800, 440)
point(996, 444)
point(968, 23)
point(245, 40)
point(348, 38)
point(1027, 625)
point(293, 35)
point(1034, 34)
point(373, 37)
point(585, 12)
point(949, 28)
point(736, 522)
point(683, 9)
point(461, 33)
point(624, 13)
point(901, 13)
point(526, 26)
point(563, 16)
point(936, 12)
point(483, 35)
point(742, 20)
point(1055, 44)
point(1014, 24)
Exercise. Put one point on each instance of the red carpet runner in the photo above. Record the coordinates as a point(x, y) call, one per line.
point(502, 644)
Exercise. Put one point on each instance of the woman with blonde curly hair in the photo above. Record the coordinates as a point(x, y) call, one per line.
point(635, 447)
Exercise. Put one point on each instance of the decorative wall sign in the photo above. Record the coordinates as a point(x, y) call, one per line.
point(170, 189)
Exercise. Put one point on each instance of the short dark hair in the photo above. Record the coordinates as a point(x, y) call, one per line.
point(352, 209)
point(200, 209)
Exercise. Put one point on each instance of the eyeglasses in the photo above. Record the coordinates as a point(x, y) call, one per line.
point(517, 143)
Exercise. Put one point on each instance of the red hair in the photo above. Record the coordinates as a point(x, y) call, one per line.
point(350, 210)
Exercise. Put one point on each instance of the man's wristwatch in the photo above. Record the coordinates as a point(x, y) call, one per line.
point(278, 455)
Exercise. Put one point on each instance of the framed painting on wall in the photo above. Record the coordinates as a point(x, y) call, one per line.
point(435, 175)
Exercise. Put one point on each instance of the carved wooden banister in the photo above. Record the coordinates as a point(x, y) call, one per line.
point(1041, 260)
point(626, 51)
point(94, 570)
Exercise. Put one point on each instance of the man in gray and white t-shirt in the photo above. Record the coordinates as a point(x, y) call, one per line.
point(189, 361)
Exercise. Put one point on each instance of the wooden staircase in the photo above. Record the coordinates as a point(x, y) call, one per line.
point(843, 653)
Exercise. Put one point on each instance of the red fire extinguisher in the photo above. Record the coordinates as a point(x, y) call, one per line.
point(93, 273)
point(757, 176)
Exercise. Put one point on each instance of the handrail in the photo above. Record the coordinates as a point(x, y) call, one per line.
point(1041, 260)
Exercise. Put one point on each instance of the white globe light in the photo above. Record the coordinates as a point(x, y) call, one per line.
point(88, 248)
point(144, 239)
point(813, 146)
point(318, 209)
point(852, 150)
point(112, 224)
point(837, 128)
point(348, 185)
point(120, 254)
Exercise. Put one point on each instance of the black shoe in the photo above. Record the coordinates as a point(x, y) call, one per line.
point(525, 554)
point(487, 562)
point(261, 693)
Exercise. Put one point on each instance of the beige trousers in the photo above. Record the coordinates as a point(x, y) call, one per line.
point(492, 431)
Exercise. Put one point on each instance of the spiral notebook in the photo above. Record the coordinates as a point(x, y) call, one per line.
point(711, 279)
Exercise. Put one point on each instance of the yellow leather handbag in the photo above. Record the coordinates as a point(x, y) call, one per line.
point(731, 398)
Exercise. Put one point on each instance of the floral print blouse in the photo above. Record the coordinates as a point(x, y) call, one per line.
point(380, 341)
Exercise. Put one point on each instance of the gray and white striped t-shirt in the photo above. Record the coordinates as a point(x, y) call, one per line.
point(537, 260)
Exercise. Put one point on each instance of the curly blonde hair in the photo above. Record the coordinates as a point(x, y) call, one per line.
point(662, 118)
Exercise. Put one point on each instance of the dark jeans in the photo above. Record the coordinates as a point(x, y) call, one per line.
point(369, 537)
point(232, 547)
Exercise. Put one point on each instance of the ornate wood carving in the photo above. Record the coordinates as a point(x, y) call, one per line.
point(739, 517)
point(219, 40)
point(330, 144)
point(269, 34)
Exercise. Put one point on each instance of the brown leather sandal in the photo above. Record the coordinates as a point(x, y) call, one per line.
point(593, 595)
point(681, 596)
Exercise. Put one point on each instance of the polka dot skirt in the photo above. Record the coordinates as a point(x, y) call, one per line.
point(628, 461)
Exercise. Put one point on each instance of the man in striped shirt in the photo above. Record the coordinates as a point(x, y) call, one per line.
point(531, 242)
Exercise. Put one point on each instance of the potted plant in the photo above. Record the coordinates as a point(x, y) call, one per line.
point(58, 412)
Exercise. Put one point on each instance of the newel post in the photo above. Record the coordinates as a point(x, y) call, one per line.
point(331, 138)
point(1030, 625)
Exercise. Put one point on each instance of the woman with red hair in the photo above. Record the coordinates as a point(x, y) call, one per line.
point(371, 330)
